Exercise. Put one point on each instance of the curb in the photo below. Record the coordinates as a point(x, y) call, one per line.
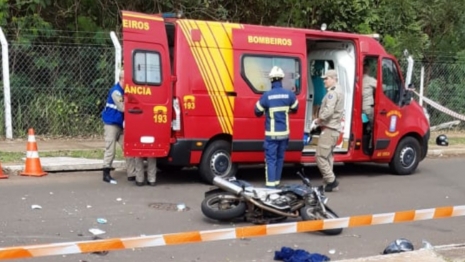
point(64, 164)
point(445, 253)
point(447, 152)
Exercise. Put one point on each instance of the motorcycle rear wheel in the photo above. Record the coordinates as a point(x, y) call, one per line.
point(307, 213)
point(223, 209)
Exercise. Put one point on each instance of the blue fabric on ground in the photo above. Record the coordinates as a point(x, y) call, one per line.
point(290, 255)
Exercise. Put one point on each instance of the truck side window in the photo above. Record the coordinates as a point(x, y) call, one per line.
point(391, 81)
point(146, 67)
point(255, 70)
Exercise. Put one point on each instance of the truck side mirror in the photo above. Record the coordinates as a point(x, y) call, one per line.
point(407, 95)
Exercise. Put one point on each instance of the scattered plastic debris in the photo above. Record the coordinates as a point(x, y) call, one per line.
point(426, 245)
point(398, 246)
point(113, 182)
point(36, 207)
point(332, 251)
point(89, 206)
point(102, 220)
point(119, 199)
point(289, 254)
point(96, 231)
point(51, 193)
point(181, 206)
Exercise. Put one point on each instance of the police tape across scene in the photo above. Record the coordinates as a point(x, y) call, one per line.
point(228, 233)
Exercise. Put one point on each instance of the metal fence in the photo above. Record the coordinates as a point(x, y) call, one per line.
point(60, 90)
point(444, 83)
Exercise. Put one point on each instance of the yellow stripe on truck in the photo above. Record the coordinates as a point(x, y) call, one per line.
point(214, 54)
point(199, 59)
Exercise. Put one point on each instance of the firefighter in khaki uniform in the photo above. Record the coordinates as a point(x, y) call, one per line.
point(329, 119)
point(113, 119)
point(276, 104)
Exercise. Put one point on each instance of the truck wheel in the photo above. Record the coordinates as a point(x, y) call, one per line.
point(216, 161)
point(407, 157)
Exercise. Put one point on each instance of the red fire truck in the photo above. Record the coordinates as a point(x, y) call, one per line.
point(191, 86)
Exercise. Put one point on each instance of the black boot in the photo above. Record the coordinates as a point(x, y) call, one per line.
point(107, 177)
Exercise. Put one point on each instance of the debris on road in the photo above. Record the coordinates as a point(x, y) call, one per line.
point(36, 207)
point(289, 254)
point(398, 246)
point(102, 220)
point(96, 231)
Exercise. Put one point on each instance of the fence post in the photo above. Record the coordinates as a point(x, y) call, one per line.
point(422, 79)
point(117, 46)
point(408, 79)
point(6, 85)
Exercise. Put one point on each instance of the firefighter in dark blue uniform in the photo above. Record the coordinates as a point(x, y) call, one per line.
point(276, 105)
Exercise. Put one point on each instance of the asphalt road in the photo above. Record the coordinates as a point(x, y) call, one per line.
point(72, 202)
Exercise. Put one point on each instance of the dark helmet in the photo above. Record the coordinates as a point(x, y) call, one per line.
point(398, 246)
point(442, 140)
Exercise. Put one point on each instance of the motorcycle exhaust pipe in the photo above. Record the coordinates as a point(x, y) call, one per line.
point(226, 185)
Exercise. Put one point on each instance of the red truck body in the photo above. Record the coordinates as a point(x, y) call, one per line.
point(191, 86)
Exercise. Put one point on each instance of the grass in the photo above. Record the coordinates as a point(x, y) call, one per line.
point(454, 138)
point(16, 157)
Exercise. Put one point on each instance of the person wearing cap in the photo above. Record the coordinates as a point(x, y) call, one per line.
point(368, 88)
point(113, 120)
point(276, 104)
point(329, 119)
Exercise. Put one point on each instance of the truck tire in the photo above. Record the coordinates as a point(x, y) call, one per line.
point(407, 157)
point(216, 161)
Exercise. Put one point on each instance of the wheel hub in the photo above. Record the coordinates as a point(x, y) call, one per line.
point(220, 164)
point(408, 157)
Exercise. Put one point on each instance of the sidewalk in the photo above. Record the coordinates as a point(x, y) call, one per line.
point(446, 253)
point(83, 164)
point(57, 164)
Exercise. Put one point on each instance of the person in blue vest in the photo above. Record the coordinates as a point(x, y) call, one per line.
point(113, 119)
point(276, 104)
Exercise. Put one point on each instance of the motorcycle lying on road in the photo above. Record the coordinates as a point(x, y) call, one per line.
point(232, 199)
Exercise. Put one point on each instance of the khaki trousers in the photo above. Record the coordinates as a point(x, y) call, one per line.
point(324, 154)
point(114, 134)
point(151, 169)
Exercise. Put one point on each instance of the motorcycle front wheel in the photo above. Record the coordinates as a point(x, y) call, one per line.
point(223, 206)
point(312, 213)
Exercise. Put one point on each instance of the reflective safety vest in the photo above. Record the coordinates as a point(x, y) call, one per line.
point(111, 115)
point(276, 104)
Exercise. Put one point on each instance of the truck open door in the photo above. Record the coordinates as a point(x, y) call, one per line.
point(147, 88)
point(387, 109)
point(255, 52)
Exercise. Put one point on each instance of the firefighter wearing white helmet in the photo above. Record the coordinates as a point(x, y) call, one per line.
point(276, 104)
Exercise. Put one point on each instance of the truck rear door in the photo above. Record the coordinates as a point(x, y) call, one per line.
point(147, 90)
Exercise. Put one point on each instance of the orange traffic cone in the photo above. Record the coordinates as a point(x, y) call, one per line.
point(33, 166)
point(2, 175)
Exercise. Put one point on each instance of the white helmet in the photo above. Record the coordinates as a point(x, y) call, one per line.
point(276, 72)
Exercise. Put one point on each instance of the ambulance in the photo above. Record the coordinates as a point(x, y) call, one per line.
point(191, 86)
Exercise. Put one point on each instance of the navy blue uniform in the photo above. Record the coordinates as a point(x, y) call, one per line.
point(276, 105)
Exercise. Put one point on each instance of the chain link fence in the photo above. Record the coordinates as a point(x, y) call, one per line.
point(59, 90)
point(444, 83)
